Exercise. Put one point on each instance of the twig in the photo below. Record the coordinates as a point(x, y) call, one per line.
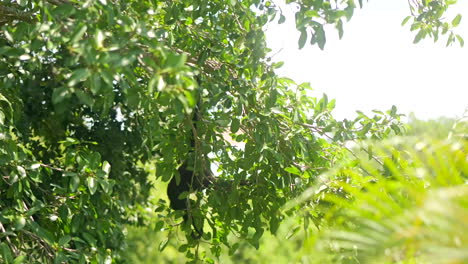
point(52, 168)
point(15, 250)
point(47, 248)
point(9, 14)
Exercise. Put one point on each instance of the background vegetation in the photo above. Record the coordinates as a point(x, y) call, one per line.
point(416, 204)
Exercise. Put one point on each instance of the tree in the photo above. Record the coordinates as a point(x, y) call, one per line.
point(91, 92)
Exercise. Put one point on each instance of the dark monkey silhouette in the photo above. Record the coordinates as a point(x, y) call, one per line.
point(192, 178)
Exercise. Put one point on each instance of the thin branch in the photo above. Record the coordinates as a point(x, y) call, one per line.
point(46, 247)
point(197, 152)
point(52, 168)
point(59, 2)
point(9, 14)
point(239, 24)
point(4, 179)
point(15, 250)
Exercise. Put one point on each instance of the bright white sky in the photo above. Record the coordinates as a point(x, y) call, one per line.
point(377, 65)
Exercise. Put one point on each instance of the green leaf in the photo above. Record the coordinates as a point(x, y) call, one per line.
point(92, 185)
point(406, 20)
point(152, 83)
point(366, 129)
point(235, 124)
point(20, 259)
point(339, 26)
point(456, 20)
point(282, 19)
point(163, 244)
point(321, 38)
point(84, 98)
point(63, 241)
point(8, 36)
point(159, 225)
point(176, 60)
point(24, 57)
point(106, 167)
point(293, 170)
point(312, 13)
point(450, 39)
point(60, 94)
point(43, 233)
point(393, 110)
point(35, 166)
point(233, 249)
point(460, 40)
point(4, 99)
point(78, 76)
point(21, 171)
point(293, 232)
point(331, 105)
point(89, 239)
point(183, 248)
point(95, 83)
point(159, 83)
point(6, 253)
point(20, 222)
point(278, 64)
point(99, 39)
point(349, 12)
point(74, 183)
point(78, 34)
point(106, 185)
point(274, 225)
point(421, 34)
point(302, 39)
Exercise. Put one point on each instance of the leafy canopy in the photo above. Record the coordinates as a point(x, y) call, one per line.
point(92, 91)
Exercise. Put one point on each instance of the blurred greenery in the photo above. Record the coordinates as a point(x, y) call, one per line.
point(411, 206)
point(440, 128)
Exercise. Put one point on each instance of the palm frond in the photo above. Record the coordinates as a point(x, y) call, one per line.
point(407, 204)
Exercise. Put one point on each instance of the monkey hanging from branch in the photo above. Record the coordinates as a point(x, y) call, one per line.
point(193, 175)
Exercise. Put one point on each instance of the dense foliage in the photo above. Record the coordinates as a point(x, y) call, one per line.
point(93, 92)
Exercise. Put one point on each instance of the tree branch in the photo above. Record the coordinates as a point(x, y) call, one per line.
point(9, 14)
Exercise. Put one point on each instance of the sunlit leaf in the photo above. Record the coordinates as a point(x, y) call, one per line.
point(92, 185)
point(77, 76)
point(456, 20)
